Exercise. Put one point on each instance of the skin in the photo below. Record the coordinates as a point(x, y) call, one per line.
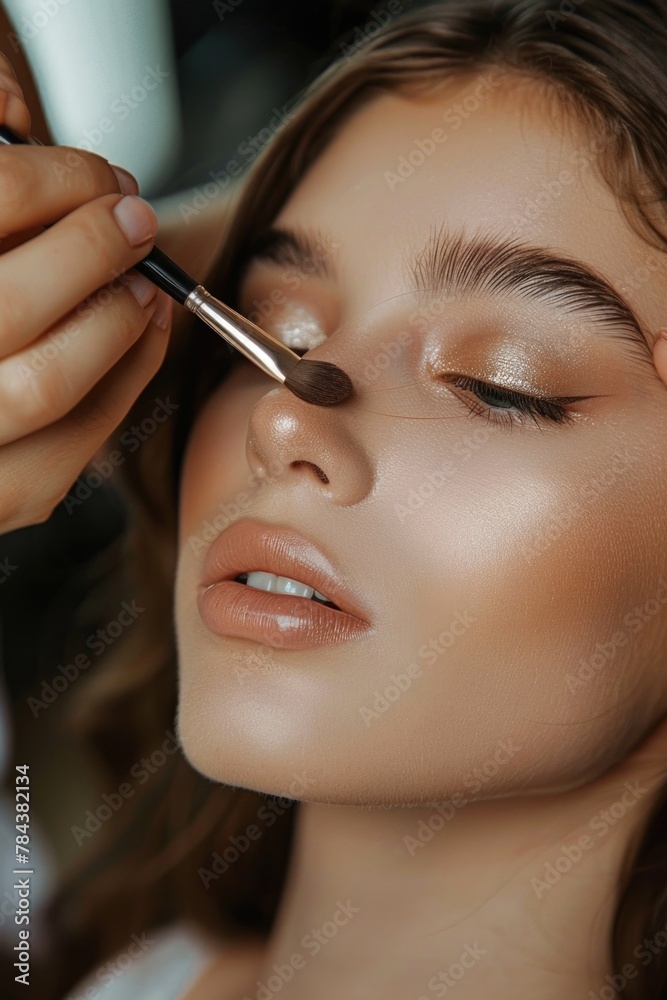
point(497, 698)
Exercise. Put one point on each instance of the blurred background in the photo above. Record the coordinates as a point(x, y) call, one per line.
point(183, 93)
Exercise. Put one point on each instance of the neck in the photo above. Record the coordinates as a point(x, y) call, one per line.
point(504, 898)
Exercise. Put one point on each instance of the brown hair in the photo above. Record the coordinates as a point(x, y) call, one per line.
point(606, 60)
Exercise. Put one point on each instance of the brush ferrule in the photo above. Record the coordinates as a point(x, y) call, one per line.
point(267, 353)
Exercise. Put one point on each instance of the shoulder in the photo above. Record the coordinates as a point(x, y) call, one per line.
point(229, 974)
point(176, 962)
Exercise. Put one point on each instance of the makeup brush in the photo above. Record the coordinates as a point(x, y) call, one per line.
point(319, 382)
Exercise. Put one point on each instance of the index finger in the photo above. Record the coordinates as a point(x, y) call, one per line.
point(41, 184)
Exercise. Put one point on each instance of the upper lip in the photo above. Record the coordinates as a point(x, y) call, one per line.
point(251, 544)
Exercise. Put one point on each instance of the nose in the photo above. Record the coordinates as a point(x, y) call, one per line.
point(293, 442)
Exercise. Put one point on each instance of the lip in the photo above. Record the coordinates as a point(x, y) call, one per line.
point(280, 620)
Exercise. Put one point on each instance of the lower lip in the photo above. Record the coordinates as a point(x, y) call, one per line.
point(278, 620)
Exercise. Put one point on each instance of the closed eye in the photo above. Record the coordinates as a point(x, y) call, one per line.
point(507, 406)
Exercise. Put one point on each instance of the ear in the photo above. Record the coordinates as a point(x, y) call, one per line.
point(660, 354)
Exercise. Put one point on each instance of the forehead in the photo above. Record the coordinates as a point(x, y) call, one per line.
point(487, 152)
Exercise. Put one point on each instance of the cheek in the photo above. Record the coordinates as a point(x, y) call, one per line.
point(540, 546)
point(217, 483)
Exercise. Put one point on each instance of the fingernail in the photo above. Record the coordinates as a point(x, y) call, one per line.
point(163, 311)
point(127, 182)
point(136, 218)
point(143, 290)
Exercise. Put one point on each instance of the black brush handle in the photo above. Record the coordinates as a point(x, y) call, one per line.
point(166, 274)
point(157, 265)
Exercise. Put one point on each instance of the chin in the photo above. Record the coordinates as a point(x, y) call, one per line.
point(248, 742)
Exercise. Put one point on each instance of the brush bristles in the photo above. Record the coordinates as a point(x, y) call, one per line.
point(319, 382)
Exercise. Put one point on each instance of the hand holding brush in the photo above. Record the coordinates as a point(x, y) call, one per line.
point(319, 382)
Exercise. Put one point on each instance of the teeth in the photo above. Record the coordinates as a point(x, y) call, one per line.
point(278, 584)
point(273, 584)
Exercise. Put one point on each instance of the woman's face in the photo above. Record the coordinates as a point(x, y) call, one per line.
point(507, 564)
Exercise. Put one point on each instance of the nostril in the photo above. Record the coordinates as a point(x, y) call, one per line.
point(316, 469)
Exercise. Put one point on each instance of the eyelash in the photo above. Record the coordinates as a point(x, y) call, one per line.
point(540, 409)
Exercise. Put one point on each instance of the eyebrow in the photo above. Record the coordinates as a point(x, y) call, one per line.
point(474, 263)
point(299, 248)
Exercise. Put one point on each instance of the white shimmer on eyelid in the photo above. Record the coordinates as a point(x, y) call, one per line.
point(299, 330)
point(511, 366)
